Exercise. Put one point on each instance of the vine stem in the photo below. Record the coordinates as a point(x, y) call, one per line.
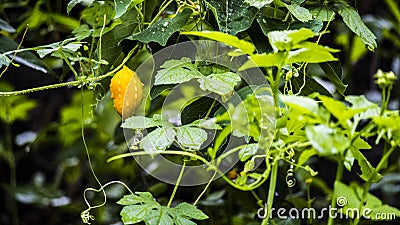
point(160, 12)
point(71, 83)
point(205, 189)
point(271, 191)
point(15, 53)
point(250, 187)
point(339, 175)
point(178, 181)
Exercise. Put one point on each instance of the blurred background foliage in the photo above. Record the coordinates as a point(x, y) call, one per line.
point(44, 167)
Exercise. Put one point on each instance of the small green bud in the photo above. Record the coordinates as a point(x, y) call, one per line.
point(385, 79)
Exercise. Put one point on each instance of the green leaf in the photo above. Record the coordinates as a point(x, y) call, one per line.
point(353, 21)
point(163, 29)
point(72, 4)
point(327, 141)
point(248, 151)
point(141, 122)
point(305, 155)
point(232, 16)
point(368, 172)
point(191, 137)
point(14, 108)
point(222, 84)
point(360, 143)
point(284, 40)
point(206, 124)
point(183, 221)
point(264, 60)
point(245, 46)
point(270, 24)
point(111, 50)
point(310, 55)
point(68, 45)
point(4, 60)
point(132, 214)
point(352, 197)
point(190, 211)
point(339, 109)
point(158, 140)
point(141, 206)
point(258, 3)
point(390, 212)
point(82, 32)
point(333, 71)
point(177, 71)
point(301, 13)
point(6, 27)
point(304, 104)
point(160, 216)
point(323, 13)
point(343, 191)
point(121, 6)
point(138, 197)
point(360, 102)
point(25, 58)
point(95, 13)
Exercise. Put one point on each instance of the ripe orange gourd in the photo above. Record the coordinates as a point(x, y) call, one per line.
point(126, 91)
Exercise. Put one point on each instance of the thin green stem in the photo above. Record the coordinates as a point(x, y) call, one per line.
point(271, 191)
point(15, 53)
point(100, 39)
point(139, 11)
point(69, 65)
point(339, 175)
point(249, 187)
point(205, 189)
point(384, 158)
point(71, 83)
point(160, 12)
point(259, 200)
point(178, 181)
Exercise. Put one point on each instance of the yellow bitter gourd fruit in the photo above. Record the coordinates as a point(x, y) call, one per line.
point(126, 91)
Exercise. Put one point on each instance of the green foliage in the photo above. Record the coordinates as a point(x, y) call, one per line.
point(301, 13)
point(26, 58)
point(258, 3)
point(163, 28)
point(294, 124)
point(183, 70)
point(371, 203)
point(244, 46)
point(177, 71)
point(141, 206)
point(14, 108)
point(355, 23)
point(232, 16)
